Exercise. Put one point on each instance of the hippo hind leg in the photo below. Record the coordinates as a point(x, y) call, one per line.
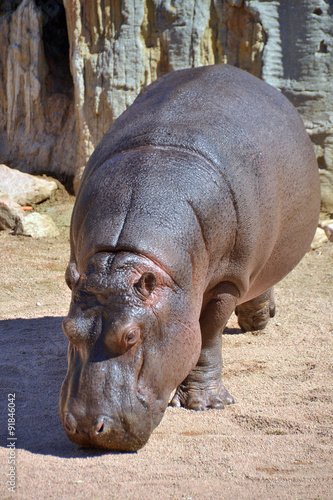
point(203, 388)
point(254, 314)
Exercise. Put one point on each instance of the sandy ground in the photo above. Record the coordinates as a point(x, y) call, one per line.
point(275, 442)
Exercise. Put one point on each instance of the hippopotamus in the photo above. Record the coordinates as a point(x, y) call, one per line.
point(199, 198)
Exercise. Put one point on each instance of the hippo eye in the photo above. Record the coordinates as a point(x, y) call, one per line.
point(131, 337)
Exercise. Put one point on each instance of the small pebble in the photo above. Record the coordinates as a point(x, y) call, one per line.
point(38, 304)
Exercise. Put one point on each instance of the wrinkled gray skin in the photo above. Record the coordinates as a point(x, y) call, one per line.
point(198, 199)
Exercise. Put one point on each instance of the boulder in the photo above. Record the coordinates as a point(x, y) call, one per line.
point(38, 226)
point(25, 189)
point(11, 214)
point(319, 239)
point(326, 188)
point(33, 224)
point(323, 235)
point(327, 226)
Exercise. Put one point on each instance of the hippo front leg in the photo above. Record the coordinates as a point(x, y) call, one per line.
point(202, 389)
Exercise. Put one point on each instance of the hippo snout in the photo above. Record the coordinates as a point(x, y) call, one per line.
point(102, 403)
point(122, 433)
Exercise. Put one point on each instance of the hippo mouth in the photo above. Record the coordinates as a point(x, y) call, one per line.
point(105, 432)
point(119, 428)
point(127, 431)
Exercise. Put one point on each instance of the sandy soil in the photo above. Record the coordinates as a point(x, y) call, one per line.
point(275, 442)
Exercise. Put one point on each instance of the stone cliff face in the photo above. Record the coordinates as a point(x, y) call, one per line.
point(117, 50)
point(36, 90)
point(67, 70)
point(298, 59)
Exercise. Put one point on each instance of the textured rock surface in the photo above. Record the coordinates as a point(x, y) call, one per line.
point(327, 226)
point(31, 224)
point(326, 186)
point(319, 239)
point(298, 59)
point(11, 214)
point(38, 226)
point(23, 188)
point(117, 50)
point(52, 117)
point(36, 103)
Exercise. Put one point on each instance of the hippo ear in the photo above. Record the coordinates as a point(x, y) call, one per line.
point(146, 284)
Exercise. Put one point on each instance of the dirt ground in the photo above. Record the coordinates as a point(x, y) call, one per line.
point(275, 442)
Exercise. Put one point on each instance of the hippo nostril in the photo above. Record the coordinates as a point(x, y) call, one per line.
point(99, 428)
point(102, 424)
point(70, 423)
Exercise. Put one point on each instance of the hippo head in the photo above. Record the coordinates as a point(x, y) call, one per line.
point(130, 345)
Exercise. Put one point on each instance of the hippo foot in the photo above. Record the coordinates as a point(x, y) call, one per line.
point(193, 397)
point(255, 314)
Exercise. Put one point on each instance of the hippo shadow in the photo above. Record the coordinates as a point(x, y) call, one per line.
point(33, 363)
point(233, 331)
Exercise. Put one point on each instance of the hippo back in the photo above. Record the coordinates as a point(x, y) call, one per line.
point(249, 135)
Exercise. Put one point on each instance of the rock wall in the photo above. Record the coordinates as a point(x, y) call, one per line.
point(65, 78)
point(36, 89)
point(298, 59)
point(118, 50)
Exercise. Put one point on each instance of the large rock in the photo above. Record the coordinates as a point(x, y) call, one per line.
point(38, 226)
point(28, 224)
point(11, 214)
point(327, 227)
point(326, 184)
point(23, 188)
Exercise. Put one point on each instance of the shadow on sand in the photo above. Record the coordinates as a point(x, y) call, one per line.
point(33, 363)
